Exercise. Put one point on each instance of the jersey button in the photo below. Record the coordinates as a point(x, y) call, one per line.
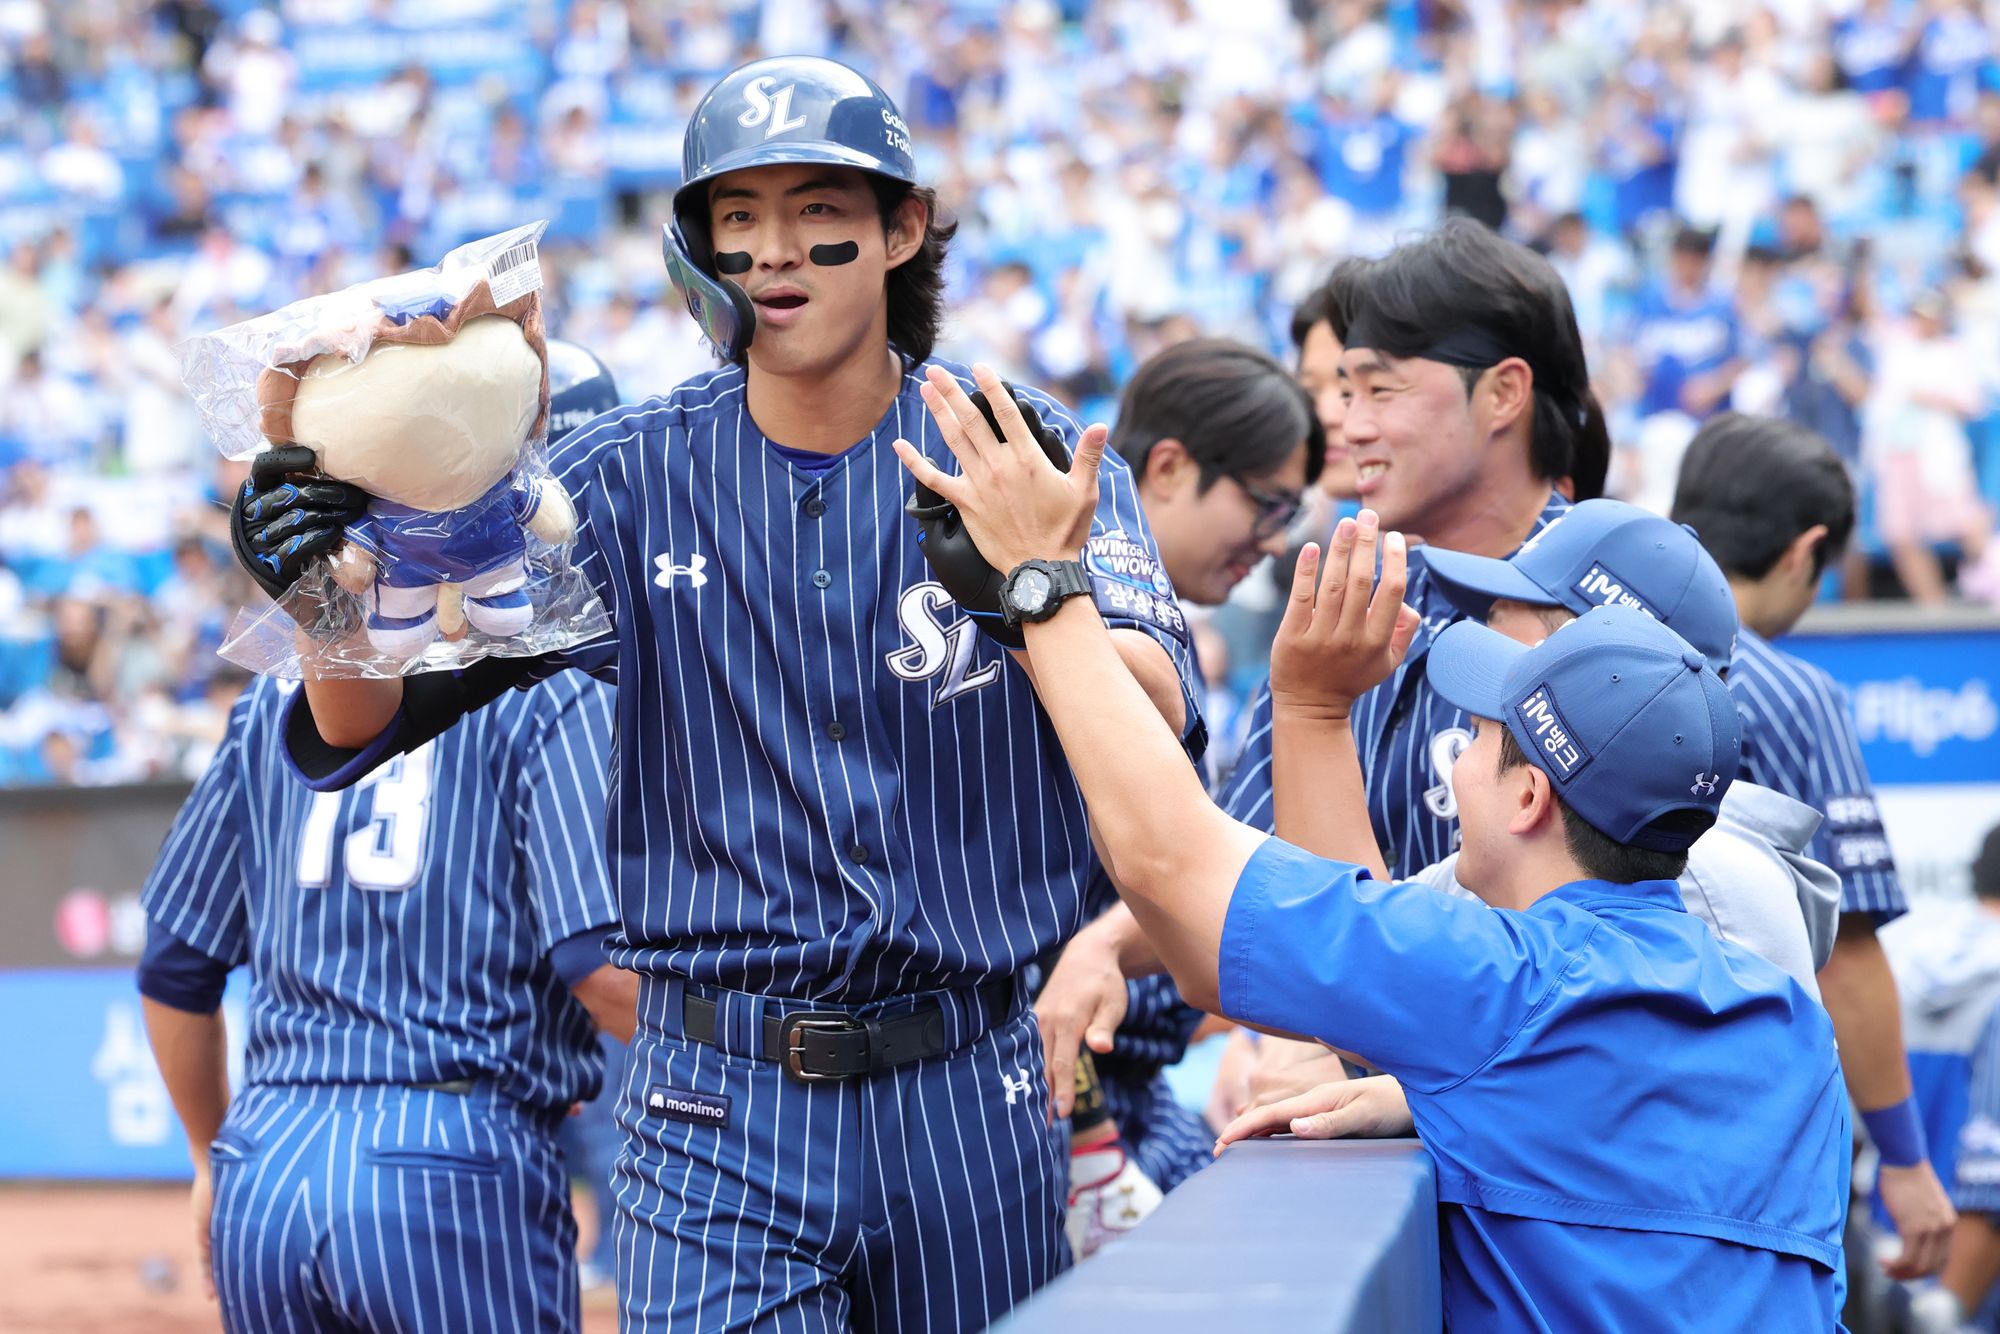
point(835, 731)
point(815, 507)
point(858, 853)
point(821, 579)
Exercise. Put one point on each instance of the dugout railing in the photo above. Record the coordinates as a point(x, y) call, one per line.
point(1311, 1237)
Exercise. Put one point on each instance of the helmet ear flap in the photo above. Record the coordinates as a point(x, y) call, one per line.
point(721, 308)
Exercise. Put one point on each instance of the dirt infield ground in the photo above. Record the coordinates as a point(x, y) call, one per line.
point(117, 1260)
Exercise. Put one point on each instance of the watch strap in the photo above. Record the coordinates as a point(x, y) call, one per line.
point(1066, 580)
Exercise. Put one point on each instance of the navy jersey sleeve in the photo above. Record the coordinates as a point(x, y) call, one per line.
point(559, 811)
point(1128, 581)
point(1976, 1186)
point(1246, 793)
point(197, 890)
point(1803, 743)
point(1425, 985)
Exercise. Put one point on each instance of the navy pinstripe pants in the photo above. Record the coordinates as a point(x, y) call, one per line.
point(382, 1208)
point(928, 1197)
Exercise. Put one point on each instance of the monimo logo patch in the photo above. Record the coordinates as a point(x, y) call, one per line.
point(697, 1109)
point(1545, 725)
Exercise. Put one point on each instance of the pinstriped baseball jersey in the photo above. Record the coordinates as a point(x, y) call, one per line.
point(1798, 738)
point(397, 932)
point(1975, 1177)
point(1409, 738)
point(830, 785)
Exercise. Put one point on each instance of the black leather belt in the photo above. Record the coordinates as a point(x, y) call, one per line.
point(817, 1045)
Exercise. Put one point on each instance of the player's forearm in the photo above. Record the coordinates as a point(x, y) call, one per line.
point(1974, 1263)
point(350, 712)
point(1150, 667)
point(1860, 995)
point(193, 1055)
point(1319, 801)
point(1178, 857)
point(611, 995)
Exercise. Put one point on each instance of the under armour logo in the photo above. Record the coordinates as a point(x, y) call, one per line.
point(1023, 1085)
point(1704, 784)
point(692, 571)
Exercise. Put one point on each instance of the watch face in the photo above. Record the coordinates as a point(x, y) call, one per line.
point(1031, 591)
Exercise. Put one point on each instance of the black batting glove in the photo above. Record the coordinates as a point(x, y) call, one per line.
point(970, 579)
point(286, 514)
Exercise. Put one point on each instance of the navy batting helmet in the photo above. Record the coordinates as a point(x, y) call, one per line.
point(787, 109)
point(579, 388)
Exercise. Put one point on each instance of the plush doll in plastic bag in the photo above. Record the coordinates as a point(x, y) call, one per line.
point(429, 400)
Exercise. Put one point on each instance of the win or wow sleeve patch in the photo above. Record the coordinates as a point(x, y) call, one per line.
point(1128, 584)
point(1854, 833)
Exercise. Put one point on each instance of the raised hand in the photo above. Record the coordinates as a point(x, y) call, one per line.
point(1347, 632)
point(1016, 504)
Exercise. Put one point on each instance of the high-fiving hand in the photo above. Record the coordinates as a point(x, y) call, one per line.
point(1015, 503)
point(1350, 633)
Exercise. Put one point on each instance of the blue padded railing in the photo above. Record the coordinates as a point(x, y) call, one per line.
point(1319, 1237)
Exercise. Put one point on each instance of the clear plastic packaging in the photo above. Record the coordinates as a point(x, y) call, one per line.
point(429, 390)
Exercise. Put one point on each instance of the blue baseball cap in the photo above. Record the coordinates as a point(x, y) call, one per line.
point(1626, 718)
point(1604, 553)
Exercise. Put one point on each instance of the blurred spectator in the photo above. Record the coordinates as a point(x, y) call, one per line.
point(1919, 456)
point(45, 415)
point(1686, 339)
point(1125, 174)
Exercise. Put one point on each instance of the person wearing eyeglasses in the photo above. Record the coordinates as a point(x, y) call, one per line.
point(1223, 443)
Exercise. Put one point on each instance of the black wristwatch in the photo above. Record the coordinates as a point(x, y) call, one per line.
point(1037, 589)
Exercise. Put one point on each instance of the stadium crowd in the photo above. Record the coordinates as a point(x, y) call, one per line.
point(1797, 212)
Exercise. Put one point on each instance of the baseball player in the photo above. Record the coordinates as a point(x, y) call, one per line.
point(427, 957)
point(1947, 966)
point(1467, 401)
point(841, 827)
point(1467, 411)
point(1774, 505)
point(1637, 1125)
point(1222, 443)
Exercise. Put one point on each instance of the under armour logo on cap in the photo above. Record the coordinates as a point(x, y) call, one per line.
point(1705, 784)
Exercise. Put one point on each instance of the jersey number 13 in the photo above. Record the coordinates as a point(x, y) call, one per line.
point(387, 853)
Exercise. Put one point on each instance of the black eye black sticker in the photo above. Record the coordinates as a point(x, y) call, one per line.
point(827, 256)
point(732, 261)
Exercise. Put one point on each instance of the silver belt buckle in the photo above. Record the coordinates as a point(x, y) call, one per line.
point(793, 1032)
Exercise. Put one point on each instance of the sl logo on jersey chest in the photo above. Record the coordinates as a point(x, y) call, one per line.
point(1445, 748)
point(940, 648)
point(771, 110)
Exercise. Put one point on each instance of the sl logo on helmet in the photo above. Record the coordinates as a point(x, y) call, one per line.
point(771, 110)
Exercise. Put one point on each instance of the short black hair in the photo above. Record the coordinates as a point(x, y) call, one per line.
point(1750, 485)
point(1692, 240)
point(1986, 866)
point(1596, 852)
point(916, 286)
point(1315, 309)
point(1463, 275)
point(1238, 412)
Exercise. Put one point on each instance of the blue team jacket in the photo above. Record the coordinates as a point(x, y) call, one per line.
point(1636, 1124)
